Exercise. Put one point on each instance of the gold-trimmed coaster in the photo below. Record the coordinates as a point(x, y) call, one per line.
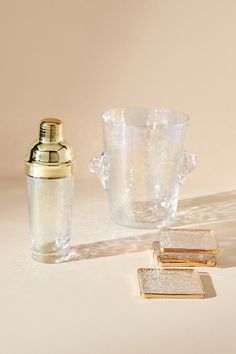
point(188, 241)
point(168, 262)
point(174, 259)
point(170, 283)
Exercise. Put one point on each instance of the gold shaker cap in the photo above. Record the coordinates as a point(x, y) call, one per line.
point(50, 156)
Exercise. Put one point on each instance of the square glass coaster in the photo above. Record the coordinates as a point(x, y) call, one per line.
point(188, 241)
point(170, 282)
point(174, 259)
point(185, 262)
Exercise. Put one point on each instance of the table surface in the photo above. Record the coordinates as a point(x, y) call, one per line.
point(92, 304)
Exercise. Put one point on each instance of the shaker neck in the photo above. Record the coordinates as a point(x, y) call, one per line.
point(50, 131)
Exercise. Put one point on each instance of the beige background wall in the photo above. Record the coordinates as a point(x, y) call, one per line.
point(73, 59)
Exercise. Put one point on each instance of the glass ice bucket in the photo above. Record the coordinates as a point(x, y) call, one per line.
point(143, 164)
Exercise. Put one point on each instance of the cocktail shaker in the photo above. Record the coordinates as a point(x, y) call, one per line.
point(49, 167)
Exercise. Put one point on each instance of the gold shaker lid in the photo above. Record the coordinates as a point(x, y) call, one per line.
point(50, 156)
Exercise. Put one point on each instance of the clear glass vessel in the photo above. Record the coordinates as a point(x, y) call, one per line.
point(143, 164)
point(50, 179)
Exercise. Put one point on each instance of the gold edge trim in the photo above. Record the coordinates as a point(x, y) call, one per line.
point(212, 259)
point(155, 268)
point(186, 229)
point(186, 264)
point(50, 172)
point(162, 259)
point(169, 296)
point(187, 250)
point(182, 260)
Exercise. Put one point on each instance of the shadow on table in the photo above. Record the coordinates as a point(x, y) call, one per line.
point(227, 241)
point(217, 208)
point(208, 285)
point(112, 247)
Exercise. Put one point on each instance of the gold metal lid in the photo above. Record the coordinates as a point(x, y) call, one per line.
point(50, 156)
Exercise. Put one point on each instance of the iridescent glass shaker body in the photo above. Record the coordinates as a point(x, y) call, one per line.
point(49, 167)
point(143, 164)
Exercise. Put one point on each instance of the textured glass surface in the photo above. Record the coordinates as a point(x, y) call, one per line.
point(50, 217)
point(170, 282)
point(143, 165)
point(188, 241)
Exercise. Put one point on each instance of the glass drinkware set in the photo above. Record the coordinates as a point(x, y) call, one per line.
point(141, 168)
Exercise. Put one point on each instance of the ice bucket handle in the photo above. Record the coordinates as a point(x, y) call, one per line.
point(189, 162)
point(100, 166)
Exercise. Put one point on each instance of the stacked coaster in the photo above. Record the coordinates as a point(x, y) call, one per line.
point(186, 248)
